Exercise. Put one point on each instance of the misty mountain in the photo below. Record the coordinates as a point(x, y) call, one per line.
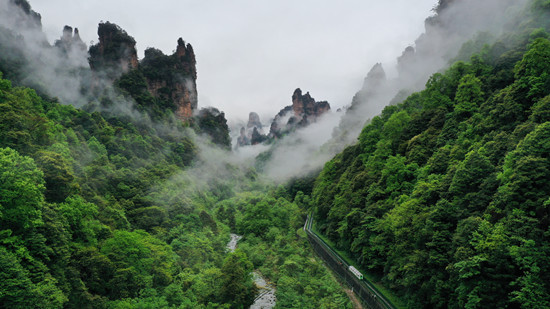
point(303, 112)
point(117, 190)
point(446, 32)
point(444, 198)
point(156, 88)
point(457, 30)
point(111, 196)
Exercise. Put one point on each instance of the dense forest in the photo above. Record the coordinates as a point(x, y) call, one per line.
point(103, 208)
point(91, 218)
point(121, 195)
point(446, 195)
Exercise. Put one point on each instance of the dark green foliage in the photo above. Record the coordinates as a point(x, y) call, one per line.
point(213, 123)
point(533, 72)
point(135, 84)
point(275, 243)
point(97, 209)
point(26, 280)
point(58, 176)
point(237, 289)
point(22, 126)
point(446, 195)
point(17, 290)
point(21, 190)
point(11, 60)
point(159, 67)
point(114, 50)
point(77, 187)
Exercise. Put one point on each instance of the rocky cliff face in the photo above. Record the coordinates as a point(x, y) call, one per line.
point(253, 133)
point(365, 101)
point(170, 79)
point(304, 106)
point(373, 85)
point(303, 111)
point(160, 85)
point(70, 41)
point(115, 54)
point(34, 20)
point(173, 78)
point(243, 139)
point(186, 59)
point(257, 137)
point(254, 121)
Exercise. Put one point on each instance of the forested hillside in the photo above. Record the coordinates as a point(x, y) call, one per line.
point(116, 191)
point(124, 197)
point(446, 195)
point(102, 213)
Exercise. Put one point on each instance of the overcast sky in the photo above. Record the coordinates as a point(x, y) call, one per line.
point(252, 54)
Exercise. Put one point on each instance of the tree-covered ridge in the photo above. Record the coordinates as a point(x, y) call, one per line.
point(446, 195)
point(112, 206)
point(103, 211)
point(114, 52)
point(70, 180)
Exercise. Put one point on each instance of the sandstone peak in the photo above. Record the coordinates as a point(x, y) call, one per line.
point(303, 111)
point(374, 79)
point(70, 40)
point(173, 77)
point(254, 121)
point(116, 53)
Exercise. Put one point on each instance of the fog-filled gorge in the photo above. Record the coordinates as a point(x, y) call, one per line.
point(122, 178)
point(252, 55)
point(431, 52)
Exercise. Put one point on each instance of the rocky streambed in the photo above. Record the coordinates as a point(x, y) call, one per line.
point(266, 297)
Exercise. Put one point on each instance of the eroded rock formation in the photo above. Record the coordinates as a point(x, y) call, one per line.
point(303, 111)
point(253, 133)
point(254, 121)
point(305, 107)
point(173, 77)
point(70, 41)
point(170, 79)
point(212, 122)
point(243, 140)
point(115, 54)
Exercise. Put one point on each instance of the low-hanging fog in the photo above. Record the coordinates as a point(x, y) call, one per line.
point(307, 149)
point(252, 55)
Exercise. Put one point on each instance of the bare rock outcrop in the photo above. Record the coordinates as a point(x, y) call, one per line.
point(115, 54)
point(303, 111)
point(173, 78)
point(70, 41)
point(254, 121)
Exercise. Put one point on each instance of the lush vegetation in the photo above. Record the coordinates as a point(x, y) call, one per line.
point(212, 122)
point(97, 211)
point(115, 44)
point(110, 205)
point(446, 195)
point(277, 246)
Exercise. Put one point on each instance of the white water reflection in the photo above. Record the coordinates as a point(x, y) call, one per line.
point(266, 298)
point(232, 244)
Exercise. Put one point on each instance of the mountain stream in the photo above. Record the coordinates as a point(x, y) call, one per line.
point(266, 298)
